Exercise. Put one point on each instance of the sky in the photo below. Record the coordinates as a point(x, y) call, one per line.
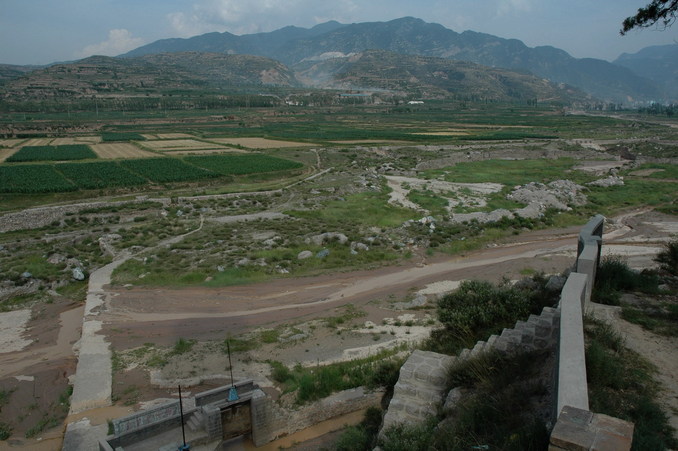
point(46, 31)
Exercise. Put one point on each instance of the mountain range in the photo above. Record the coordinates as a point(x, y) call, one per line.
point(407, 56)
point(293, 46)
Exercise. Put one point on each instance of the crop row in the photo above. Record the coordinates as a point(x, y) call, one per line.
point(243, 164)
point(122, 136)
point(52, 153)
point(51, 178)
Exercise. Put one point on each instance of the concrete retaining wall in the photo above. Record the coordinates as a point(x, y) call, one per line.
point(571, 383)
point(419, 390)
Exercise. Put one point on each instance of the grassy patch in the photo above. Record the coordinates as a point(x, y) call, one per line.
point(508, 172)
point(361, 437)
point(614, 276)
point(380, 370)
point(478, 309)
point(621, 384)
point(367, 209)
point(182, 346)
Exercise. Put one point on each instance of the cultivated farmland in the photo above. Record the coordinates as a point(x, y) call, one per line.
point(99, 175)
point(34, 178)
point(121, 150)
point(6, 153)
point(164, 170)
point(76, 140)
point(52, 153)
point(260, 143)
point(243, 164)
point(179, 144)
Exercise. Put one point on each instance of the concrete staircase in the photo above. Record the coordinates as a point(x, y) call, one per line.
point(197, 421)
point(420, 389)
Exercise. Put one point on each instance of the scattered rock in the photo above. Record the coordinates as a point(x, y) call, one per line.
point(221, 268)
point(355, 246)
point(78, 273)
point(304, 255)
point(323, 238)
point(612, 180)
point(323, 253)
point(418, 301)
point(55, 259)
point(26, 275)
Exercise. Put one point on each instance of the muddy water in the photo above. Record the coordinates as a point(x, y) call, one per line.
point(334, 424)
point(71, 326)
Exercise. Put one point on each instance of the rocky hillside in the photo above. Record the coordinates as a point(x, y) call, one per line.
point(428, 77)
point(292, 45)
point(150, 74)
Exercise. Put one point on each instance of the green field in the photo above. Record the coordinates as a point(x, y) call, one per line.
point(52, 153)
point(243, 164)
point(63, 177)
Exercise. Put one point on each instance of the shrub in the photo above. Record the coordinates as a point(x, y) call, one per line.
point(668, 258)
point(182, 346)
point(478, 309)
point(614, 276)
point(5, 431)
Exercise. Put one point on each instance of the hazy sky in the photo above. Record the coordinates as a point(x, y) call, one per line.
point(44, 31)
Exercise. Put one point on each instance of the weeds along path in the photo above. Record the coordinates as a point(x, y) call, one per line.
point(661, 351)
point(93, 377)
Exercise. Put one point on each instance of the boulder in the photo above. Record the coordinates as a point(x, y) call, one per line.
point(78, 273)
point(326, 237)
point(304, 255)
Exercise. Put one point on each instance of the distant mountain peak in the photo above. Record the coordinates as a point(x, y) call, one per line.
point(412, 36)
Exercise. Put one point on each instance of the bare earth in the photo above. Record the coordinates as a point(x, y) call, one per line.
point(121, 150)
point(135, 316)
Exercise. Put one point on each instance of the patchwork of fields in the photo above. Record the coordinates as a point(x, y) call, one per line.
point(44, 168)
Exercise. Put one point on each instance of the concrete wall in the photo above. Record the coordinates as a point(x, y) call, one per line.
point(571, 382)
point(271, 421)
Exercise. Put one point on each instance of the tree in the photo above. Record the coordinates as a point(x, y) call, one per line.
point(662, 11)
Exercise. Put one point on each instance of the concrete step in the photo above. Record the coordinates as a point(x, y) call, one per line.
point(478, 349)
point(490, 342)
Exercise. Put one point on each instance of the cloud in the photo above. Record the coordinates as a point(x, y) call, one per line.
point(119, 41)
point(252, 16)
point(506, 7)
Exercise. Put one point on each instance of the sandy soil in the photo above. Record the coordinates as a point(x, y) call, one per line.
point(37, 374)
point(12, 325)
point(10, 142)
point(76, 140)
point(260, 143)
point(121, 150)
point(179, 144)
point(208, 151)
point(37, 142)
point(6, 153)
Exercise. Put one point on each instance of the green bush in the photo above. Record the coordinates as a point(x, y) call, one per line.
point(5, 431)
point(614, 276)
point(478, 309)
point(182, 346)
point(668, 258)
